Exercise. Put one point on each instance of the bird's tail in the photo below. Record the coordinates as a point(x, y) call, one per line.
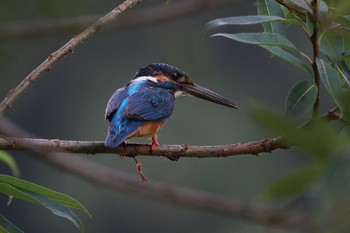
point(112, 140)
point(119, 132)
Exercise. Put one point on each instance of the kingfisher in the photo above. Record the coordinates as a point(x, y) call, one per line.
point(144, 104)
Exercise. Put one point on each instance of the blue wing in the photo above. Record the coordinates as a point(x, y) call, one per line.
point(115, 101)
point(119, 127)
point(150, 104)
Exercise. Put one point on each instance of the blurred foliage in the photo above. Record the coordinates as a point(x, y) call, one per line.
point(10, 162)
point(58, 203)
point(325, 25)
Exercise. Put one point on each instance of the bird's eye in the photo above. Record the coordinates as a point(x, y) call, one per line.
point(174, 75)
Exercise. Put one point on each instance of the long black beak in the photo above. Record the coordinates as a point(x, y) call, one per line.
point(206, 94)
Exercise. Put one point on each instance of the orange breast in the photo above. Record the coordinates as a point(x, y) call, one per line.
point(147, 129)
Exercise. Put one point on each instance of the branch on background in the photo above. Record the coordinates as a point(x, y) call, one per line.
point(64, 50)
point(121, 181)
point(137, 18)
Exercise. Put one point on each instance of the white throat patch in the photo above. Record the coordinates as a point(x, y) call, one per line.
point(180, 93)
point(145, 78)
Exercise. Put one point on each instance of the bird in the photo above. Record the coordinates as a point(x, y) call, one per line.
point(144, 104)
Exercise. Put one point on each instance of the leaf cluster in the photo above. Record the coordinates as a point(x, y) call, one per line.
point(325, 25)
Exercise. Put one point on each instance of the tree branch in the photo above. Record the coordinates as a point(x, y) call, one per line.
point(64, 50)
point(137, 18)
point(172, 152)
point(315, 48)
point(121, 181)
point(169, 151)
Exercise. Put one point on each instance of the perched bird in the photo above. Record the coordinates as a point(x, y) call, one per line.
point(140, 108)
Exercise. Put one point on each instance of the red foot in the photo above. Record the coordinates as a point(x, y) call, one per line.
point(154, 143)
point(124, 143)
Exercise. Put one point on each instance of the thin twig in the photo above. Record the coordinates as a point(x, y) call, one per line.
point(137, 18)
point(64, 50)
point(315, 47)
point(121, 181)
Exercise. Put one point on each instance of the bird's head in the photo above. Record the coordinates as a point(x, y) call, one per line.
point(171, 77)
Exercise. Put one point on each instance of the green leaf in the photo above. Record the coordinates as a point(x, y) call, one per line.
point(342, 72)
point(345, 133)
point(320, 140)
point(344, 104)
point(261, 39)
point(10, 162)
point(323, 9)
point(344, 20)
point(271, 8)
point(346, 63)
point(329, 78)
point(301, 98)
point(240, 20)
point(273, 121)
point(10, 190)
point(309, 25)
point(285, 55)
point(55, 207)
point(294, 182)
point(50, 194)
point(305, 4)
point(342, 7)
point(333, 46)
point(8, 227)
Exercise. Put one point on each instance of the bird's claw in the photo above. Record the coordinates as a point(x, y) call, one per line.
point(154, 143)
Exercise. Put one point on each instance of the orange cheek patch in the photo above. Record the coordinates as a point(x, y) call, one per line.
point(162, 78)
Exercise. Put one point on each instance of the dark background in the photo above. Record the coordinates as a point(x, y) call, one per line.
point(69, 102)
